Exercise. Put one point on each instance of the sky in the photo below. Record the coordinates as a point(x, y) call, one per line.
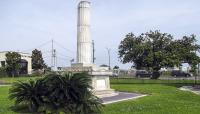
point(29, 24)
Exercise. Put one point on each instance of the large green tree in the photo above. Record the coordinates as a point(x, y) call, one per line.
point(154, 50)
point(187, 49)
point(37, 60)
point(13, 63)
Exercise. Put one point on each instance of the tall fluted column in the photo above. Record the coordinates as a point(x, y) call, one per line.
point(84, 44)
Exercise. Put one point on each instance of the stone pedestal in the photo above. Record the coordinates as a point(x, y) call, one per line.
point(100, 78)
point(101, 83)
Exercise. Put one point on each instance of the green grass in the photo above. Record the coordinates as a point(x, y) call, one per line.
point(10, 80)
point(5, 103)
point(149, 81)
point(161, 99)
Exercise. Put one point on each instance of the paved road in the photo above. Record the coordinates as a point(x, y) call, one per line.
point(4, 85)
point(122, 96)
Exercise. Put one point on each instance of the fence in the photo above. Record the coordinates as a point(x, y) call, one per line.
point(162, 80)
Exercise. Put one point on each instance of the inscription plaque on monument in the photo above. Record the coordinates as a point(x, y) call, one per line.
point(101, 84)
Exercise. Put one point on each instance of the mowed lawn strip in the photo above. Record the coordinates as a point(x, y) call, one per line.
point(161, 99)
point(5, 103)
point(149, 81)
point(10, 80)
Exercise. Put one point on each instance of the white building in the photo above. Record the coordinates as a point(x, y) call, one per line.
point(26, 62)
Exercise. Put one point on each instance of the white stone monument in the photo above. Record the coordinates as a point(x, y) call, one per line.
point(100, 76)
point(84, 43)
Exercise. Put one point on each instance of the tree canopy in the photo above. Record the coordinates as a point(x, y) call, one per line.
point(154, 50)
point(116, 67)
point(37, 60)
point(13, 63)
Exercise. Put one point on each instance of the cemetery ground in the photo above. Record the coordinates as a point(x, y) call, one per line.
point(163, 97)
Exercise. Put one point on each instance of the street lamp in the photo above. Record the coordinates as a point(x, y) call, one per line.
point(108, 57)
point(196, 70)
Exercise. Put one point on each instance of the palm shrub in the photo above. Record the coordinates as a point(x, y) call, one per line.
point(67, 93)
point(28, 93)
point(71, 93)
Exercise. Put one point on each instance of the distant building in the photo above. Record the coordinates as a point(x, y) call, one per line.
point(26, 62)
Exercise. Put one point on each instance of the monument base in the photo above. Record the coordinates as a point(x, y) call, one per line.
point(101, 84)
point(100, 78)
point(105, 93)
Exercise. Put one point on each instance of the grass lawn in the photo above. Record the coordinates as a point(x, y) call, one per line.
point(161, 99)
point(5, 103)
point(150, 81)
point(10, 80)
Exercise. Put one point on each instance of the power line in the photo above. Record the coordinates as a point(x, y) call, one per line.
point(63, 58)
point(58, 53)
point(44, 52)
point(39, 46)
point(61, 46)
point(46, 57)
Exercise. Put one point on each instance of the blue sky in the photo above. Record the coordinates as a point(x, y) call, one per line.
point(26, 24)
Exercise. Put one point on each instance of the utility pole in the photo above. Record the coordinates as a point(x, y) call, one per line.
point(93, 51)
point(196, 71)
point(53, 57)
point(108, 57)
point(52, 54)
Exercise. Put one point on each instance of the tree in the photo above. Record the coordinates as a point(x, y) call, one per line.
point(3, 71)
point(13, 63)
point(116, 67)
point(69, 93)
point(151, 51)
point(186, 49)
point(37, 60)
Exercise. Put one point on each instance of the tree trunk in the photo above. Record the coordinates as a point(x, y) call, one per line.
point(156, 74)
point(13, 74)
